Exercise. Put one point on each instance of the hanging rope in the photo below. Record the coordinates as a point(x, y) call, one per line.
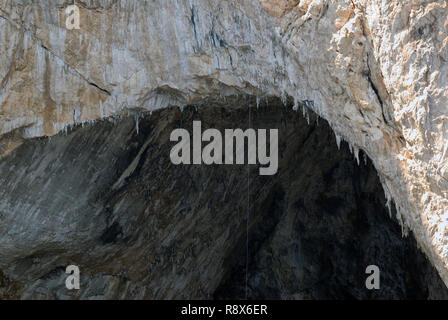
point(247, 216)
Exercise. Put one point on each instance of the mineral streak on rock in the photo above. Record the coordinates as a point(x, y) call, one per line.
point(375, 70)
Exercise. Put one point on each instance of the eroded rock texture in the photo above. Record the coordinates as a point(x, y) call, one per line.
point(109, 200)
point(375, 70)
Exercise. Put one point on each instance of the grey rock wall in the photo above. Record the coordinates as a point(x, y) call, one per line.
point(167, 231)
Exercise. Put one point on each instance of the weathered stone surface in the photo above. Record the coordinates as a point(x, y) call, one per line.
point(376, 70)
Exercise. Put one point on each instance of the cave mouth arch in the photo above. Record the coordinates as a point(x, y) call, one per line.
point(106, 197)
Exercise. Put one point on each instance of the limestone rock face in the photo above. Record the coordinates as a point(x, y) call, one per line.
point(375, 70)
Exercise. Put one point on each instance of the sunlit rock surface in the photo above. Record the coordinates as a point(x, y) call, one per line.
point(375, 70)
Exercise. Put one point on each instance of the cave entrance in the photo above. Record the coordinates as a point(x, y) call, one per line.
point(106, 197)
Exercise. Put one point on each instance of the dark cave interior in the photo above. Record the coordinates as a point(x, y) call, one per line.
point(106, 197)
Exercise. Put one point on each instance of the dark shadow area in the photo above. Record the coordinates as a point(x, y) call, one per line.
point(109, 200)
